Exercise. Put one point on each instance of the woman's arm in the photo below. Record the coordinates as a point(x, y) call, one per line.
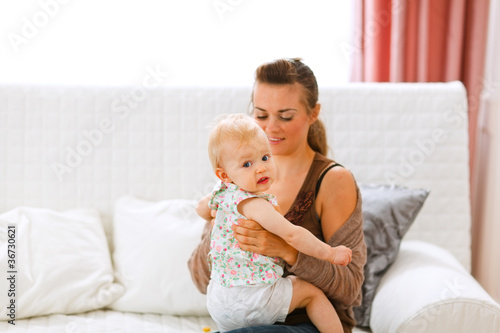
point(339, 208)
point(341, 284)
point(262, 211)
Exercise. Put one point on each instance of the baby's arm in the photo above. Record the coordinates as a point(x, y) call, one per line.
point(202, 207)
point(262, 211)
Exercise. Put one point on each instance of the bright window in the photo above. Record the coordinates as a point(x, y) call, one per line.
point(198, 42)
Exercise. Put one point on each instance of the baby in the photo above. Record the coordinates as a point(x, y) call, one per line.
point(247, 289)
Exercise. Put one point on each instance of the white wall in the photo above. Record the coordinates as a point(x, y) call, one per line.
point(198, 42)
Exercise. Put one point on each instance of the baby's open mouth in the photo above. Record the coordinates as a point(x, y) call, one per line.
point(263, 180)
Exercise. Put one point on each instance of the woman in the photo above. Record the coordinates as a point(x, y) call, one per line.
point(315, 192)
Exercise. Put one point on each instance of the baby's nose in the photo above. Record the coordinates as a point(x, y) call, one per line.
point(260, 168)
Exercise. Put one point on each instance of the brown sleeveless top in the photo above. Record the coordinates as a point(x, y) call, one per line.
point(303, 210)
point(332, 279)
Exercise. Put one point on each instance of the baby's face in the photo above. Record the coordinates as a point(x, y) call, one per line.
point(250, 165)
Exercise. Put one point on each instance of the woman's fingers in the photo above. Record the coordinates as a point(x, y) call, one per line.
point(245, 235)
point(252, 237)
point(247, 230)
point(249, 234)
point(249, 224)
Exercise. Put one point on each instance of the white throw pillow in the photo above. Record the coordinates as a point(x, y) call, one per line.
point(152, 244)
point(58, 262)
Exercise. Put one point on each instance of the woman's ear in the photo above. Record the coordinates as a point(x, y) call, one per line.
point(314, 113)
point(222, 175)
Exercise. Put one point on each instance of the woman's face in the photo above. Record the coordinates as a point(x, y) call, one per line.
point(279, 110)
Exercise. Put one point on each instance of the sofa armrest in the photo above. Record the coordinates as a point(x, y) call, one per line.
point(428, 290)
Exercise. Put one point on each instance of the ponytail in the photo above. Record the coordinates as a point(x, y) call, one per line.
point(316, 137)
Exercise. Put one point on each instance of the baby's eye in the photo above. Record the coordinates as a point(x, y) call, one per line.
point(247, 164)
point(266, 158)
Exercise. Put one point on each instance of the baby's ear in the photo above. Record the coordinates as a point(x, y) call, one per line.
point(222, 175)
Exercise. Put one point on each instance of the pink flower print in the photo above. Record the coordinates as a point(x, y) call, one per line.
point(233, 272)
point(229, 260)
point(269, 275)
point(218, 248)
point(255, 255)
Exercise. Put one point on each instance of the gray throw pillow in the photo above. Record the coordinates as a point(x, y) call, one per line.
point(388, 212)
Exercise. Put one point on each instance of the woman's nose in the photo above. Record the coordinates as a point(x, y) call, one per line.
point(272, 125)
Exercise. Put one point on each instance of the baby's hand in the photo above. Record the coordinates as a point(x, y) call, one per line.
point(343, 255)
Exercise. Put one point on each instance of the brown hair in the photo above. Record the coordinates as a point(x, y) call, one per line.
point(292, 71)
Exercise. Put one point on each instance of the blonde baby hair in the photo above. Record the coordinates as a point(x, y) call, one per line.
point(237, 127)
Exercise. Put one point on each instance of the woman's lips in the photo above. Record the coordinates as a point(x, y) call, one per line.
point(274, 141)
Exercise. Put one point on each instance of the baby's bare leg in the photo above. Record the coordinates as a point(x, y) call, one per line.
point(318, 307)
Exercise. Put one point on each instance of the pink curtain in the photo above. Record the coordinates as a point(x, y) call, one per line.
point(425, 41)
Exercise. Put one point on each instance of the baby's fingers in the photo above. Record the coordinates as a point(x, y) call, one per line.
point(344, 256)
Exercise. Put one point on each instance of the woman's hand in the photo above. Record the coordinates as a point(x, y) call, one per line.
point(252, 237)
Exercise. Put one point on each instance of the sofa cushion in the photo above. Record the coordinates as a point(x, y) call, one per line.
point(388, 212)
point(152, 244)
point(59, 262)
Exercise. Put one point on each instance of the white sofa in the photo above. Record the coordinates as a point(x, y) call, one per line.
point(132, 161)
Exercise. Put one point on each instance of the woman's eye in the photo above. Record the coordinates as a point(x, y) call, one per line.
point(247, 164)
point(261, 117)
point(266, 158)
point(286, 118)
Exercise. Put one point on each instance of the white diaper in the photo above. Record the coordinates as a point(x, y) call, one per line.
point(244, 306)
